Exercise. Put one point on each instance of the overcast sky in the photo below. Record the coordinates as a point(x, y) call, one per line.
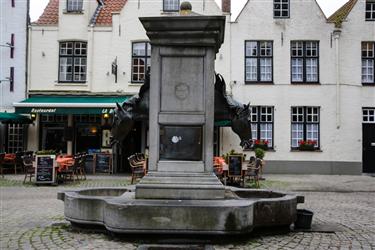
point(328, 6)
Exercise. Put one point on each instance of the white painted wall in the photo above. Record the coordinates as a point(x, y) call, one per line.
point(12, 20)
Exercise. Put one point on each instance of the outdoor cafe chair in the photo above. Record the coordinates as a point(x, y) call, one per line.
point(253, 171)
point(27, 161)
point(80, 171)
point(137, 167)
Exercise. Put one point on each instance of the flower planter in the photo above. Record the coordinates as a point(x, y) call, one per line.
point(262, 146)
point(307, 147)
point(304, 219)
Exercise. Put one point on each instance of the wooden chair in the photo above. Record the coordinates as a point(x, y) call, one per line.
point(2, 155)
point(80, 171)
point(137, 167)
point(70, 172)
point(27, 161)
point(252, 172)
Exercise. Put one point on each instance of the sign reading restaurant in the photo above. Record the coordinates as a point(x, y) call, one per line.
point(38, 110)
point(63, 110)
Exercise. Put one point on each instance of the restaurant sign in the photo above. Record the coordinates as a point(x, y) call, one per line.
point(37, 110)
point(65, 110)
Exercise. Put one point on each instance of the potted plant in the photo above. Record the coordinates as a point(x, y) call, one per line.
point(259, 153)
point(263, 144)
point(308, 145)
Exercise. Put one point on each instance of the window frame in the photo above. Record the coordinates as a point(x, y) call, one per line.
point(16, 137)
point(258, 57)
point(373, 63)
point(281, 9)
point(74, 11)
point(368, 115)
point(372, 10)
point(72, 56)
point(304, 58)
point(304, 122)
point(259, 122)
point(146, 57)
point(171, 10)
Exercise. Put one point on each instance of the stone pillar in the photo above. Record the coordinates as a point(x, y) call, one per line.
point(182, 107)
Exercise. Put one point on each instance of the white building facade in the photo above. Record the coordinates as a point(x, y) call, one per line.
point(305, 80)
point(13, 47)
point(308, 79)
point(84, 56)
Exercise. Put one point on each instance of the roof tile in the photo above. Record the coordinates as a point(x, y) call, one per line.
point(105, 15)
point(50, 15)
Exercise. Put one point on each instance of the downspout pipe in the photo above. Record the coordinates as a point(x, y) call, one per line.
point(336, 36)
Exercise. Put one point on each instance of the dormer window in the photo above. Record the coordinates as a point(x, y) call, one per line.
point(281, 8)
point(74, 5)
point(171, 5)
point(370, 10)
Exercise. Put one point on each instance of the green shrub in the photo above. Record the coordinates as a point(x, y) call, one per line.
point(259, 153)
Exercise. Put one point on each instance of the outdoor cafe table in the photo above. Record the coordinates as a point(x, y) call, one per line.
point(64, 163)
point(11, 159)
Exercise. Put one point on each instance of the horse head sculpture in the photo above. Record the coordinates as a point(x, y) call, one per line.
point(122, 123)
point(226, 108)
point(241, 125)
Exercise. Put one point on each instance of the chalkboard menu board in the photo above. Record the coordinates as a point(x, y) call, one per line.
point(103, 163)
point(234, 165)
point(45, 169)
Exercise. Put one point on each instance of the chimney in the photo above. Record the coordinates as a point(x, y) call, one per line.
point(226, 6)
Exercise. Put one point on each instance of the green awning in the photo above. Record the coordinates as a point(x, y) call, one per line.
point(223, 123)
point(68, 104)
point(14, 118)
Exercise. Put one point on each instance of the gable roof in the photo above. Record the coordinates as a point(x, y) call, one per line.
point(244, 6)
point(105, 12)
point(102, 16)
point(50, 14)
point(340, 15)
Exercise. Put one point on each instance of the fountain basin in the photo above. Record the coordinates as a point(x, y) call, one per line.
point(239, 212)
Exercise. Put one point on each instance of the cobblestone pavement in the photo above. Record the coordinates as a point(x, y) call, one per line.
point(32, 218)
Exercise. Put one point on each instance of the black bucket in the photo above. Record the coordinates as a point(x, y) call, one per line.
point(304, 219)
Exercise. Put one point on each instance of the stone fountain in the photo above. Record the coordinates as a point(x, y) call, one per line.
point(180, 194)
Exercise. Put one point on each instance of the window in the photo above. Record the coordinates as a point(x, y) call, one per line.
point(370, 10)
point(87, 118)
point(73, 62)
point(368, 59)
point(261, 118)
point(15, 138)
point(305, 125)
point(368, 115)
point(258, 61)
point(280, 8)
point(141, 61)
point(171, 5)
point(305, 61)
point(74, 5)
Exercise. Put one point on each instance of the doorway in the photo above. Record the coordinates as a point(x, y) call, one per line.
point(131, 145)
point(368, 147)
